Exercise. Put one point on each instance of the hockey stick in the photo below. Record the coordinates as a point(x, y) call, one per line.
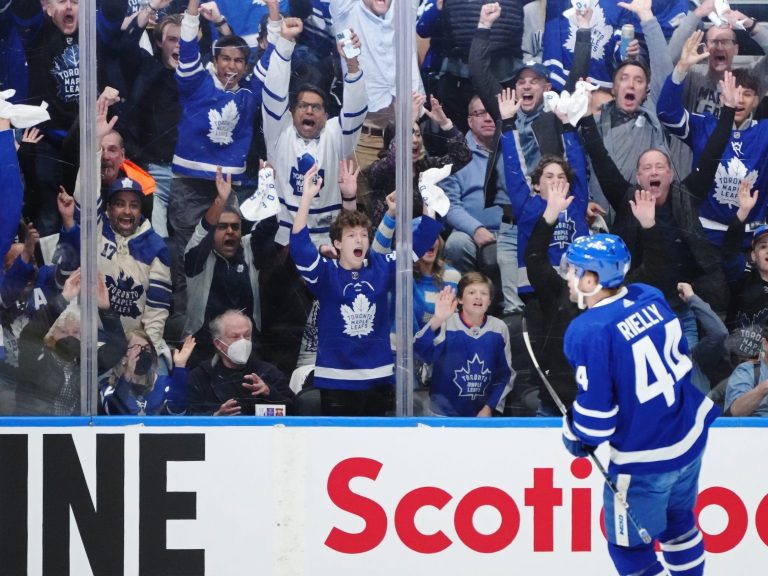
point(642, 532)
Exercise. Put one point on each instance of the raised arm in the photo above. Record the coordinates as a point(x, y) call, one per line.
point(485, 83)
point(669, 108)
point(699, 181)
point(517, 185)
point(612, 182)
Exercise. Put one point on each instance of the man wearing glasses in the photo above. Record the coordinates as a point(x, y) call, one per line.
point(701, 90)
point(299, 135)
point(222, 268)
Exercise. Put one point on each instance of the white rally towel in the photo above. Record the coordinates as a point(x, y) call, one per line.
point(574, 106)
point(432, 195)
point(719, 16)
point(22, 115)
point(263, 203)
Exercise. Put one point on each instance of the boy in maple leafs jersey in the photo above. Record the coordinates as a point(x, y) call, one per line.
point(469, 351)
point(354, 365)
point(744, 157)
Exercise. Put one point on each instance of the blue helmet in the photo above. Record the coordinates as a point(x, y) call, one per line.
point(604, 254)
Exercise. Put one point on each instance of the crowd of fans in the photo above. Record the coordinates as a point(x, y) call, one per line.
point(550, 120)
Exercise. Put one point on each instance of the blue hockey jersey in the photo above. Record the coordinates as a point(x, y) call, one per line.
point(528, 206)
point(471, 365)
point(633, 373)
point(217, 128)
point(353, 349)
point(559, 41)
point(745, 157)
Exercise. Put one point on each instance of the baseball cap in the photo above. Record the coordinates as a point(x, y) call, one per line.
point(538, 68)
point(759, 232)
point(745, 341)
point(123, 184)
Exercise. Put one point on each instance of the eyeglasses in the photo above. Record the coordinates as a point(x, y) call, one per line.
point(479, 113)
point(224, 225)
point(315, 106)
point(721, 43)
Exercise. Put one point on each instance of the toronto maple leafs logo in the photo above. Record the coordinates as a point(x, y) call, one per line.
point(564, 231)
point(727, 181)
point(601, 33)
point(358, 320)
point(296, 180)
point(472, 380)
point(124, 295)
point(223, 123)
point(66, 72)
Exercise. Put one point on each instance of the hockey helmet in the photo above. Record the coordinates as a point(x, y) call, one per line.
point(604, 254)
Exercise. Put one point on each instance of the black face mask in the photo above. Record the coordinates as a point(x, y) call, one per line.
point(144, 362)
point(67, 348)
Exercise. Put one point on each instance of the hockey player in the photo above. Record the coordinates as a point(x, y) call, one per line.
point(354, 362)
point(634, 391)
point(469, 351)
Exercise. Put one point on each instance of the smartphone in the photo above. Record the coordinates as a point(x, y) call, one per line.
point(345, 37)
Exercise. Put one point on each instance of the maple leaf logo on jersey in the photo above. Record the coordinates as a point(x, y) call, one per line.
point(727, 181)
point(124, 295)
point(66, 71)
point(223, 123)
point(358, 320)
point(564, 231)
point(601, 33)
point(258, 2)
point(472, 380)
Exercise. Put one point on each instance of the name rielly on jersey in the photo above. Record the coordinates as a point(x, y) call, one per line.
point(637, 323)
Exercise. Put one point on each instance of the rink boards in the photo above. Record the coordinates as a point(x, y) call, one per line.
point(307, 497)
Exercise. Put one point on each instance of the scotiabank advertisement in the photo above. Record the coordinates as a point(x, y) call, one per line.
point(281, 499)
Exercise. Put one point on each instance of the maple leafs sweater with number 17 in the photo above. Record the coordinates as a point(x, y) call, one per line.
point(353, 323)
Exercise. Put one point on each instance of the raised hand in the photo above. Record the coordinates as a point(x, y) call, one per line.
point(644, 208)
point(66, 206)
point(489, 13)
point(32, 135)
point(508, 103)
point(445, 305)
point(747, 199)
point(181, 357)
point(685, 291)
point(210, 11)
point(71, 288)
point(312, 182)
point(730, 94)
point(223, 185)
point(30, 241)
point(692, 52)
point(102, 292)
point(417, 101)
point(291, 28)
point(437, 114)
point(392, 203)
point(104, 126)
point(640, 7)
point(348, 173)
point(557, 200)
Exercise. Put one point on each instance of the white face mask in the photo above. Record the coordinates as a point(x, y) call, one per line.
point(239, 351)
